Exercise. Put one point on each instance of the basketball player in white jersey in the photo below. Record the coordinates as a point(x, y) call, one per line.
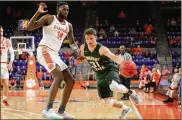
point(6, 65)
point(55, 29)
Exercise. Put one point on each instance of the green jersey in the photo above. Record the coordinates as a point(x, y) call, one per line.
point(100, 64)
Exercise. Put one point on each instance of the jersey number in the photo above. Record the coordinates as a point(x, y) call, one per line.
point(95, 64)
point(60, 35)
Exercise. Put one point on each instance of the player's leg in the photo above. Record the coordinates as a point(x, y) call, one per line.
point(118, 104)
point(127, 84)
point(106, 94)
point(44, 58)
point(115, 86)
point(5, 83)
point(58, 77)
point(69, 83)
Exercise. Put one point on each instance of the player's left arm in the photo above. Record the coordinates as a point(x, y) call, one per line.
point(106, 52)
point(71, 39)
point(12, 55)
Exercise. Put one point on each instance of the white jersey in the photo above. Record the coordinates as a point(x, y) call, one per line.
point(54, 34)
point(4, 50)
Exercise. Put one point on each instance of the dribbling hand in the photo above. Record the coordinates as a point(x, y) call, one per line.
point(41, 8)
point(79, 60)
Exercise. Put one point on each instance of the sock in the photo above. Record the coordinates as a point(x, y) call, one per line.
point(49, 106)
point(61, 109)
point(4, 97)
point(124, 107)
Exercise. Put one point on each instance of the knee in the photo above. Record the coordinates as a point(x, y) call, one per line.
point(70, 81)
point(58, 77)
point(113, 86)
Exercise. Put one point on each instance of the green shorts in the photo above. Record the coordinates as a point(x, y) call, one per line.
point(103, 82)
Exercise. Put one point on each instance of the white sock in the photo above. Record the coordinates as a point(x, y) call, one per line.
point(124, 107)
point(4, 97)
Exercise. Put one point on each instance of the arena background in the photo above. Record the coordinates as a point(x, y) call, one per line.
point(160, 44)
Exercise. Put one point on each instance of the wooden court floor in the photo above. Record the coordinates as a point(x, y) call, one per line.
point(84, 104)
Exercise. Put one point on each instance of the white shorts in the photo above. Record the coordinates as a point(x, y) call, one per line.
point(4, 71)
point(49, 59)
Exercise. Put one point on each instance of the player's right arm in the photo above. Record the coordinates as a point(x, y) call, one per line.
point(44, 20)
point(106, 52)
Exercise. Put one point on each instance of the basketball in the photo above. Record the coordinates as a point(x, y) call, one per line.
point(128, 68)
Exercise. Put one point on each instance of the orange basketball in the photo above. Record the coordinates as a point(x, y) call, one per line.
point(128, 68)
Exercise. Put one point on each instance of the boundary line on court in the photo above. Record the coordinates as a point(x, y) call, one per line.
point(16, 114)
point(25, 111)
point(136, 110)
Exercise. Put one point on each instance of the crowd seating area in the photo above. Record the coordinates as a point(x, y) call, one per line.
point(173, 27)
point(126, 38)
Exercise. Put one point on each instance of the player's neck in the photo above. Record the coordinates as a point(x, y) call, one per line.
point(60, 19)
point(92, 48)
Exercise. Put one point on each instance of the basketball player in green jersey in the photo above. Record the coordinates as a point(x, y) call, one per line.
point(101, 60)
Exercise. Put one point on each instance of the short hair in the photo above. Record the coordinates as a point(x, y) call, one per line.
point(122, 46)
point(90, 31)
point(61, 3)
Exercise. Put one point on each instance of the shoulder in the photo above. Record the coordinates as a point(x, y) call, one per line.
point(48, 18)
point(103, 50)
point(70, 25)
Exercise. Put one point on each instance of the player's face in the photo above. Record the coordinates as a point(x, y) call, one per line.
point(91, 40)
point(122, 50)
point(1, 30)
point(63, 11)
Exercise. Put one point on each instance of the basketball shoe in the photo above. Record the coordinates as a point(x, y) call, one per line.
point(50, 114)
point(125, 112)
point(66, 116)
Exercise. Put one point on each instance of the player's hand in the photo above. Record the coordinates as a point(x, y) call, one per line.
point(10, 67)
point(79, 60)
point(41, 8)
point(75, 53)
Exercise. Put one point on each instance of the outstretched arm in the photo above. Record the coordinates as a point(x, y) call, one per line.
point(46, 19)
point(106, 52)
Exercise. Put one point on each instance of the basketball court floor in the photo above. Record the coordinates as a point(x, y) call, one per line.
point(85, 104)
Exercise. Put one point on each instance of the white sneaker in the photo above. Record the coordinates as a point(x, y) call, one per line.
point(66, 116)
point(50, 114)
point(125, 112)
point(135, 97)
